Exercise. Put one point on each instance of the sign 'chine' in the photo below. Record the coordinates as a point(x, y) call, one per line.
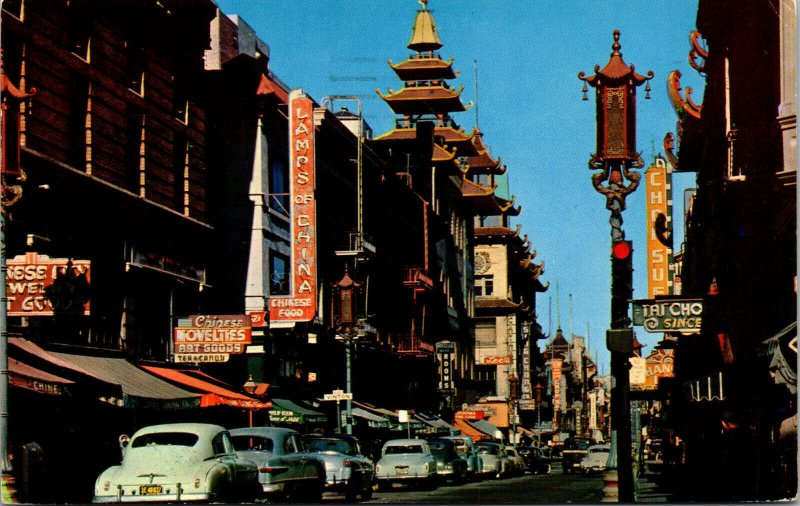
point(301, 305)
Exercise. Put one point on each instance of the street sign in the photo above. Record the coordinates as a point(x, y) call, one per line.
point(669, 315)
point(338, 395)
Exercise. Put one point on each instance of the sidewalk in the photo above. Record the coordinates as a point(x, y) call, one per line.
point(649, 487)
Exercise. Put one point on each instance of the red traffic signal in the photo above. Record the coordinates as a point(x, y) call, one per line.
point(621, 250)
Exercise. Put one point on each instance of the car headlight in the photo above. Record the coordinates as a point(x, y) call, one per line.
point(378, 468)
point(426, 467)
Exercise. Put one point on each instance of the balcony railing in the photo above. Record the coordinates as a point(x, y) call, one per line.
point(414, 345)
point(417, 277)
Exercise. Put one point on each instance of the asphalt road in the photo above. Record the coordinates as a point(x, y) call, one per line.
point(553, 488)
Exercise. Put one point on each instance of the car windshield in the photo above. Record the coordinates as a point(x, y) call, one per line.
point(491, 450)
point(400, 449)
point(165, 439)
point(330, 445)
point(254, 443)
point(442, 450)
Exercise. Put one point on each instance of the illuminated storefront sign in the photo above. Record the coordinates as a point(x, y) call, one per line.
point(37, 285)
point(659, 208)
point(211, 338)
point(301, 305)
point(672, 315)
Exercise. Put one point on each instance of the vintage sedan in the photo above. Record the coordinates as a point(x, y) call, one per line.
point(348, 470)
point(495, 461)
point(178, 462)
point(596, 459)
point(449, 464)
point(285, 469)
point(535, 459)
point(406, 461)
point(516, 464)
point(467, 450)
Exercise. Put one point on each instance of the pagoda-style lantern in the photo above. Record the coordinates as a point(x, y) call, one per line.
point(616, 153)
point(345, 303)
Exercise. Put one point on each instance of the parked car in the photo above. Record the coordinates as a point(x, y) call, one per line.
point(596, 459)
point(494, 458)
point(449, 464)
point(467, 450)
point(516, 464)
point(348, 470)
point(178, 462)
point(573, 451)
point(285, 469)
point(406, 461)
point(535, 459)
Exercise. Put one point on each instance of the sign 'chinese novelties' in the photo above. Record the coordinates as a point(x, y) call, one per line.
point(301, 305)
point(669, 315)
point(211, 334)
point(37, 285)
point(659, 209)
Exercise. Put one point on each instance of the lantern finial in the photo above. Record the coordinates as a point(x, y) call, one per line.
point(615, 47)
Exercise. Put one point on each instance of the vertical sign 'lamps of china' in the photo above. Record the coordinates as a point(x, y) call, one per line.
point(616, 155)
point(301, 304)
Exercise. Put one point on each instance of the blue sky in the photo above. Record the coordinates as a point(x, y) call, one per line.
point(529, 106)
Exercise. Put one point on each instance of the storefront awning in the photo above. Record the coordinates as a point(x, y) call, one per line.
point(30, 362)
point(212, 395)
point(485, 427)
point(437, 425)
point(286, 411)
point(468, 429)
point(24, 376)
point(140, 389)
point(372, 419)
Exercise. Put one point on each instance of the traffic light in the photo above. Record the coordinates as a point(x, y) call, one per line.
point(621, 282)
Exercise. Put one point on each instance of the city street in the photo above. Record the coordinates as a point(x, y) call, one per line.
point(552, 488)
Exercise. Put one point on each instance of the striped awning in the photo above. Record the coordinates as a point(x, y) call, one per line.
point(212, 395)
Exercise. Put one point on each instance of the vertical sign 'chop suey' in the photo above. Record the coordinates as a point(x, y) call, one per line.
point(301, 305)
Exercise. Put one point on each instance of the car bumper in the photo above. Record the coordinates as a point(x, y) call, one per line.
point(159, 498)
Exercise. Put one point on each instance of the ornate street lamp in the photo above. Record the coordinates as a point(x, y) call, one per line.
point(249, 387)
point(615, 158)
point(345, 323)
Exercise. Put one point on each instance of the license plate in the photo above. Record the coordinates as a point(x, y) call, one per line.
point(150, 489)
point(401, 470)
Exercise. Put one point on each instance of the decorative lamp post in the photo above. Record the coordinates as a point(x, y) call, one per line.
point(539, 388)
point(513, 383)
point(345, 322)
point(249, 387)
point(615, 95)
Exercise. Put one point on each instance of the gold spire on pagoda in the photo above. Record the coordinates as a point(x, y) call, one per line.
point(424, 36)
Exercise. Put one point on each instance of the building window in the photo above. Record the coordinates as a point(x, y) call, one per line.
point(278, 185)
point(485, 333)
point(134, 67)
point(484, 285)
point(180, 98)
point(78, 96)
point(134, 150)
point(13, 7)
point(79, 33)
point(279, 274)
point(180, 167)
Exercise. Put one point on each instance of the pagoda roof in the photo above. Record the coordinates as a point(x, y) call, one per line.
point(425, 99)
point(483, 162)
point(616, 71)
point(484, 201)
point(451, 136)
point(424, 35)
point(559, 340)
point(419, 68)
